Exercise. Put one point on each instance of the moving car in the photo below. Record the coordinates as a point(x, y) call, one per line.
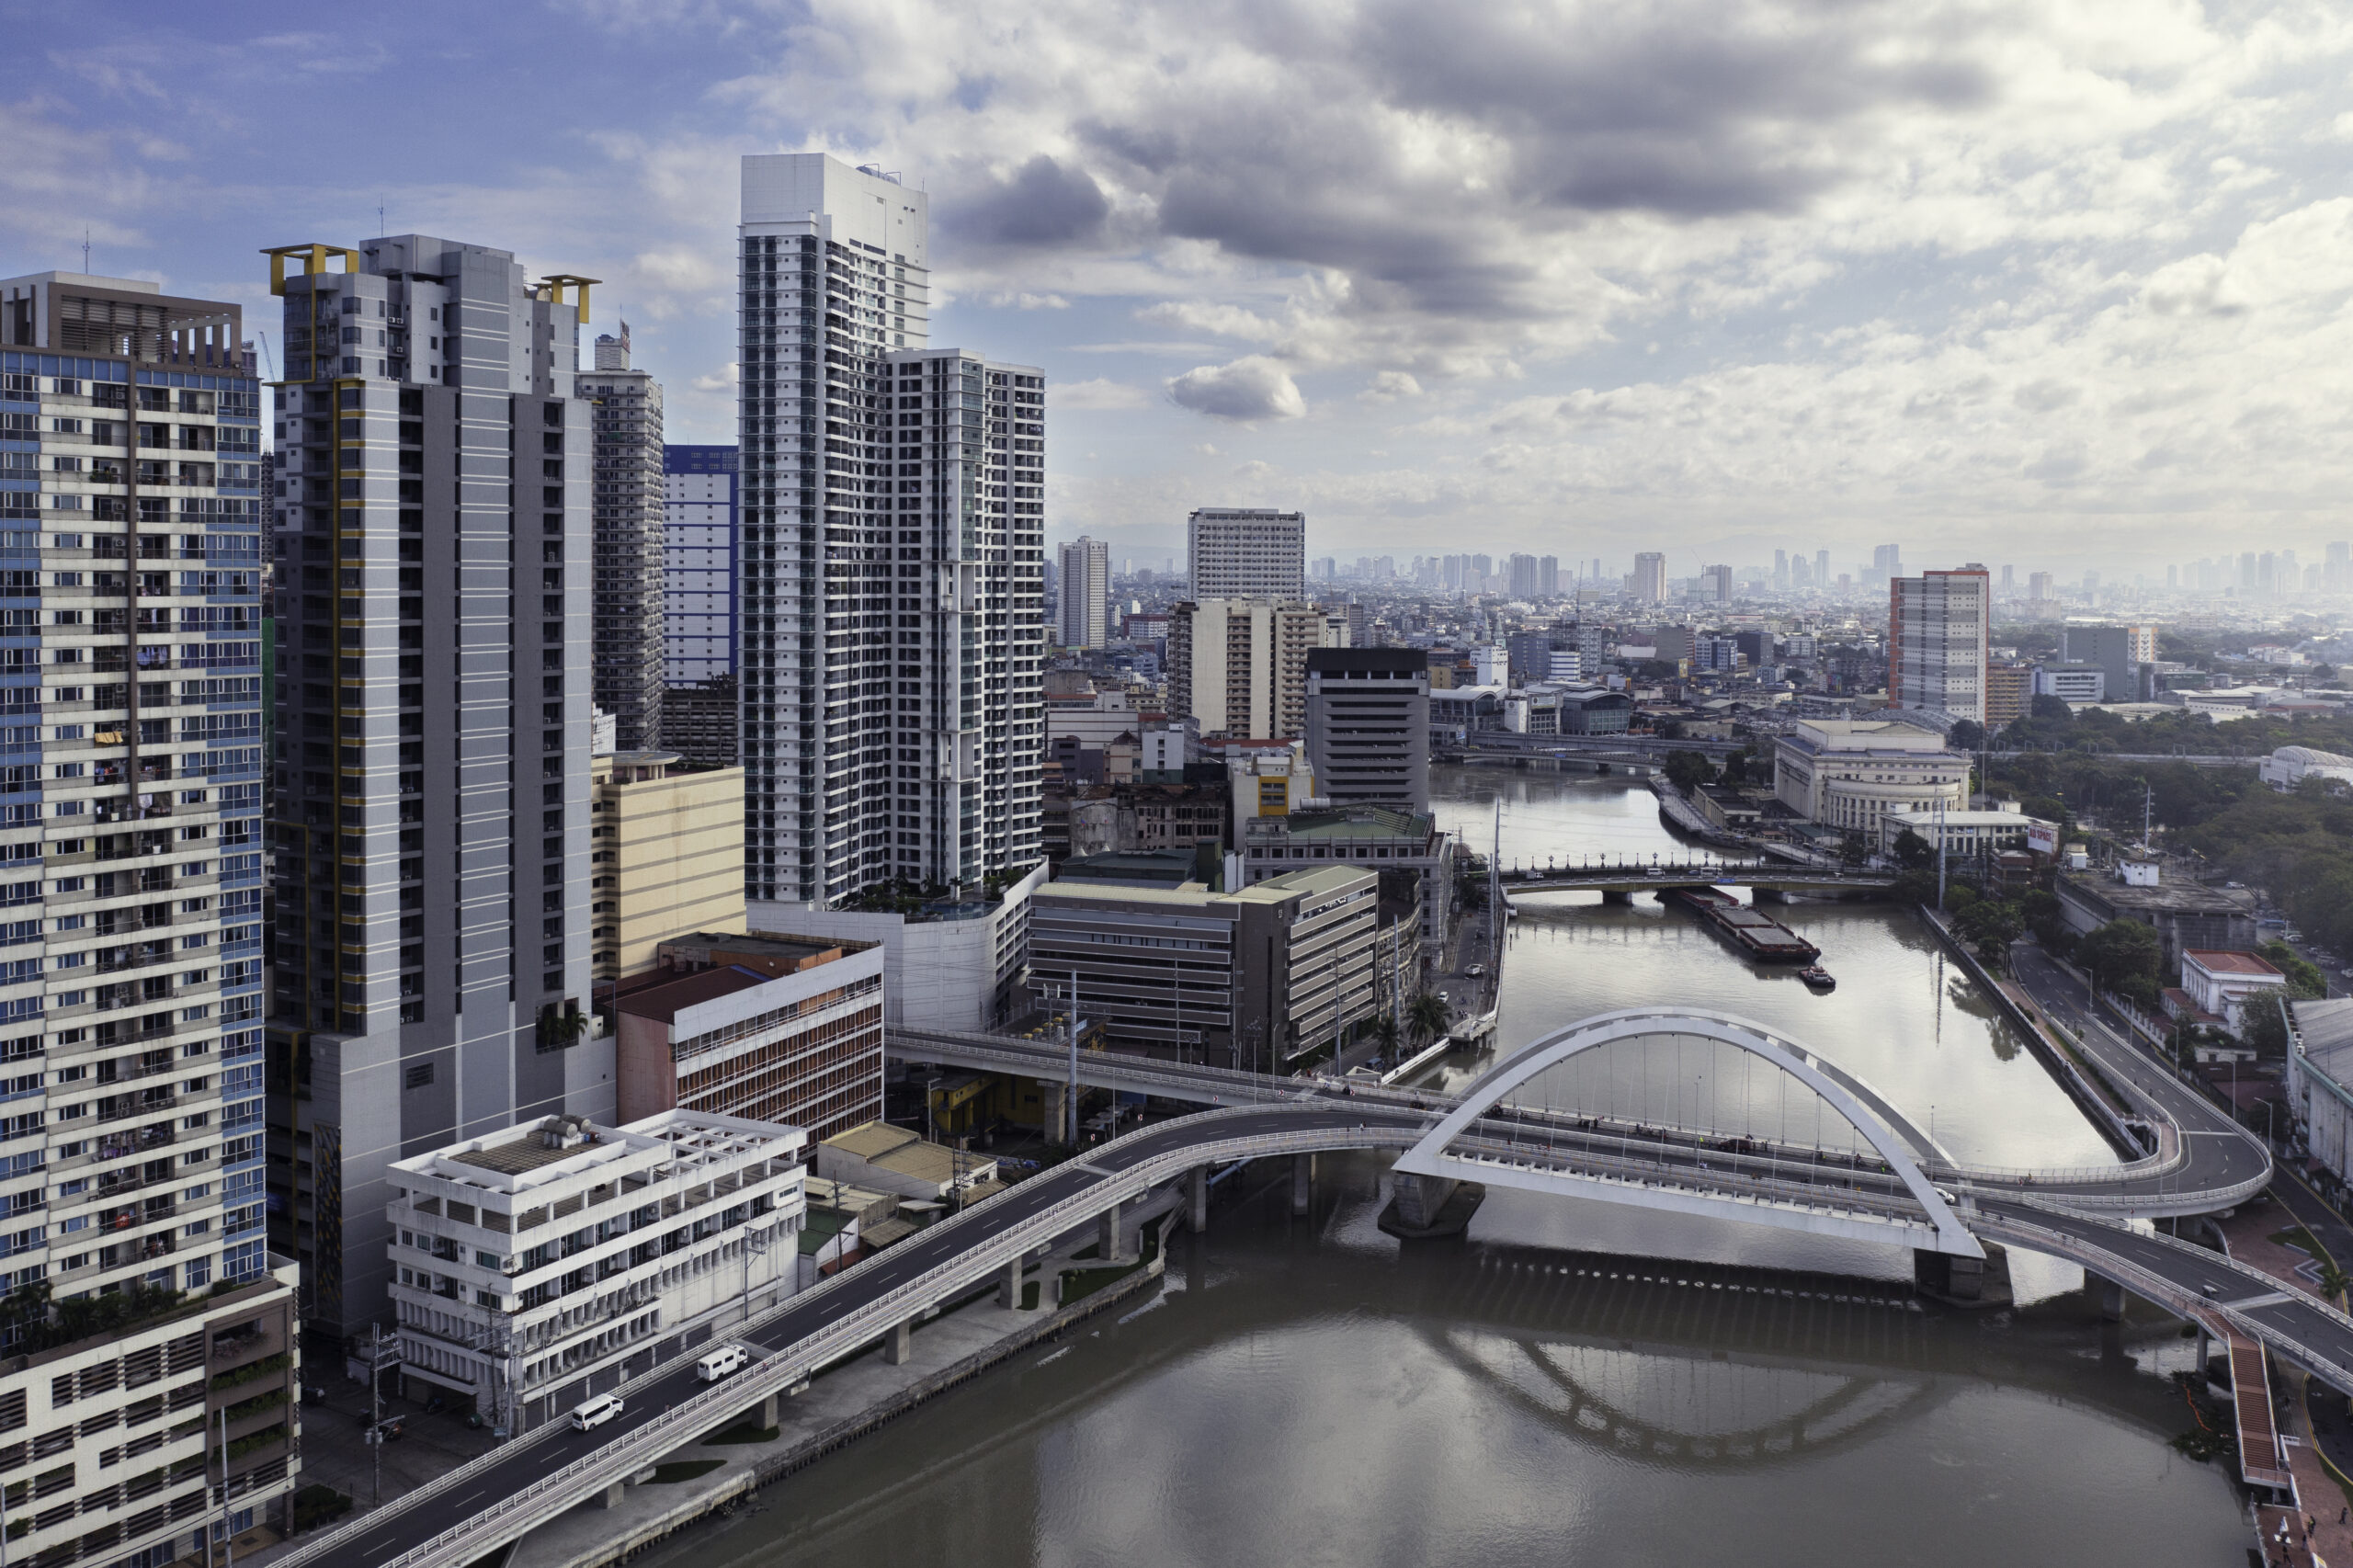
point(593, 1412)
point(714, 1365)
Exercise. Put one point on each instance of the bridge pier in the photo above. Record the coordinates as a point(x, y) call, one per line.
point(1106, 1235)
point(2111, 1302)
point(1963, 1282)
point(1616, 895)
point(611, 1495)
point(765, 1417)
point(1057, 1118)
point(899, 1344)
point(1008, 1288)
point(1197, 1199)
point(1302, 1182)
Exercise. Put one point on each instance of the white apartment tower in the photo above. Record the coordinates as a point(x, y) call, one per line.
point(1649, 583)
point(893, 522)
point(1083, 612)
point(1936, 639)
point(430, 769)
point(131, 1151)
point(1246, 554)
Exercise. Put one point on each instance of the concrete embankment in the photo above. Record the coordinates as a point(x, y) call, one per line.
point(705, 1478)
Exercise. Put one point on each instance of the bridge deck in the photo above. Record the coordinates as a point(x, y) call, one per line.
point(2259, 1459)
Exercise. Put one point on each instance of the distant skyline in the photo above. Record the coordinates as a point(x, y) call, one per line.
point(2058, 289)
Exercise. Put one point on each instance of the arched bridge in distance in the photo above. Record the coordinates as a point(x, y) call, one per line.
point(1661, 1108)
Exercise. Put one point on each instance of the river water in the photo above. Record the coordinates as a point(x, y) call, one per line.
point(1305, 1391)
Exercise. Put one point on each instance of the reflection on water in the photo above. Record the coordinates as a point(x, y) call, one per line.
point(1307, 1392)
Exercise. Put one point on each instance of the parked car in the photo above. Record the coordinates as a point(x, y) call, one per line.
point(593, 1413)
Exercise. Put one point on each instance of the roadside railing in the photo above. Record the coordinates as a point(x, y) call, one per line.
point(634, 1449)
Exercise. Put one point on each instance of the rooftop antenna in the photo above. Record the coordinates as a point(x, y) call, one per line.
point(380, 215)
point(86, 250)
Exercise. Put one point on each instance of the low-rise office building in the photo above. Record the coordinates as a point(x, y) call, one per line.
point(111, 1443)
point(766, 1026)
point(2185, 915)
point(2227, 985)
point(1963, 833)
point(2288, 767)
point(1849, 773)
point(1367, 725)
point(666, 853)
point(533, 1264)
point(1404, 844)
point(1256, 976)
point(954, 962)
point(879, 1157)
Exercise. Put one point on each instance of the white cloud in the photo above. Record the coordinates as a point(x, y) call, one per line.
point(1101, 393)
point(1253, 387)
point(1387, 386)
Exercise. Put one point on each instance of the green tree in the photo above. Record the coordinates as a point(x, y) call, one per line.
point(1990, 925)
point(1384, 1031)
point(2304, 978)
point(2047, 709)
point(1689, 769)
point(1427, 1017)
point(1912, 851)
point(1967, 735)
point(1915, 887)
point(2263, 1028)
point(2123, 955)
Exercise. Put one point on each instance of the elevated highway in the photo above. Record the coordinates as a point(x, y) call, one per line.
point(475, 1509)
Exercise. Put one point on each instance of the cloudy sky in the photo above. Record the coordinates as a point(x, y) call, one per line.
point(2046, 283)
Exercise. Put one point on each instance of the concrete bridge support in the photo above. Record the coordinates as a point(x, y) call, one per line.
point(1008, 1288)
point(1057, 1116)
point(1197, 1199)
point(1616, 895)
point(1107, 1235)
point(1419, 1199)
point(1302, 1182)
point(900, 1342)
point(2111, 1302)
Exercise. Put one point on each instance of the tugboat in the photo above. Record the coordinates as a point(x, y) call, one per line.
point(1819, 978)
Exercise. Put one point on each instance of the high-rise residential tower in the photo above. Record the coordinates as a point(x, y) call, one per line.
point(1650, 576)
point(431, 767)
point(1246, 553)
point(1083, 612)
point(1937, 641)
point(1239, 666)
point(628, 646)
point(131, 713)
point(700, 560)
point(893, 508)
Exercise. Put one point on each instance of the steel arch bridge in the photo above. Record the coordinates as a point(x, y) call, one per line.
point(1445, 1152)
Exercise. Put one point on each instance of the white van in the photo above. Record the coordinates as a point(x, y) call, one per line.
point(716, 1364)
point(595, 1411)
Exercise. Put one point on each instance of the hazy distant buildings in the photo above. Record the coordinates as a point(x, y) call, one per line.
point(1937, 633)
point(2117, 652)
point(1715, 585)
point(1084, 583)
point(1649, 583)
point(1246, 553)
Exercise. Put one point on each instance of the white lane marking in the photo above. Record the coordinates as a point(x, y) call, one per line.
point(2273, 1300)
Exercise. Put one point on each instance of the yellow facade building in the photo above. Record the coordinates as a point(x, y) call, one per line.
point(666, 852)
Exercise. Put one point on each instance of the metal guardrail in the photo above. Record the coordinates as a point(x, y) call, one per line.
point(632, 1451)
point(2174, 1297)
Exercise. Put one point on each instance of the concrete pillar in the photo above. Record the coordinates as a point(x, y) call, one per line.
point(1107, 1235)
point(1616, 895)
point(2111, 1302)
point(900, 1342)
point(1197, 1199)
point(612, 1497)
point(1050, 1092)
point(765, 1418)
point(1302, 1182)
point(2204, 1350)
point(1008, 1289)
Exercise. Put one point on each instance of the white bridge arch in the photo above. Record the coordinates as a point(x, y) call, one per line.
point(1891, 1135)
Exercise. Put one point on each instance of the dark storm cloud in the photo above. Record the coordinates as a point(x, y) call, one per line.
point(1044, 204)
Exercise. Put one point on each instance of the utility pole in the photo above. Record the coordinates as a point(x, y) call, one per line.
point(1941, 836)
point(1069, 1093)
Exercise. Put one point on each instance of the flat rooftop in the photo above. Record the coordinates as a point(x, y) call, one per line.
point(663, 999)
point(2180, 898)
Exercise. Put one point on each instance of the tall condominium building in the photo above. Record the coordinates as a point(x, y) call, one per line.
point(1887, 560)
point(1083, 610)
point(1715, 585)
point(1524, 582)
point(894, 552)
point(1649, 583)
point(1246, 554)
point(701, 556)
point(1548, 577)
point(1369, 725)
point(629, 532)
point(1822, 569)
point(131, 1151)
point(1240, 666)
point(430, 775)
point(1937, 627)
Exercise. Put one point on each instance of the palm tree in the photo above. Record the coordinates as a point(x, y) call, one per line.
point(1384, 1030)
point(2332, 1282)
point(1427, 1017)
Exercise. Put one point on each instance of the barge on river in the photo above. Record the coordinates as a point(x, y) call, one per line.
point(1756, 933)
